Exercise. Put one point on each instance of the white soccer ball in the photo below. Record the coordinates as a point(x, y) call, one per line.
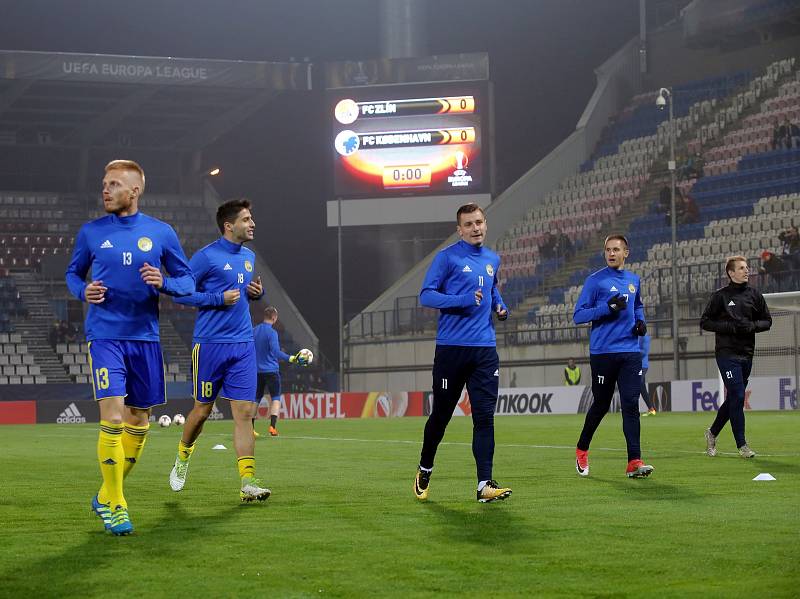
point(178, 420)
point(305, 355)
point(164, 421)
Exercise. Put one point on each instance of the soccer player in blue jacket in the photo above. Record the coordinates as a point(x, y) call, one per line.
point(456, 283)
point(268, 356)
point(611, 301)
point(125, 251)
point(223, 356)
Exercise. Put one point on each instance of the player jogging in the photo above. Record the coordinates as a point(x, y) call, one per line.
point(125, 251)
point(268, 355)
point(456, 283)
point(735, 314)
point(611, 301)
point(223, 355)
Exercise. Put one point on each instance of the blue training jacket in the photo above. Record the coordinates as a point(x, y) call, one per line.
point(268, 350)
point(611, 333)
point(456, 273)
point(115, 248)
point(218, 267)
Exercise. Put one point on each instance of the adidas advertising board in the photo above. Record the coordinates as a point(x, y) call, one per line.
point(67, 412)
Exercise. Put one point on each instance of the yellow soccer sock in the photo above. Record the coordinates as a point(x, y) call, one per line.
point(133, 440)
point(185, 451)
point(111, 456)
point(247, 466)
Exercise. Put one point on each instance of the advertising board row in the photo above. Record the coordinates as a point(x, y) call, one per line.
point(763, 393)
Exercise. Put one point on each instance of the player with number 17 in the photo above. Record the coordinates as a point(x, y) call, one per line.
point(611, 301)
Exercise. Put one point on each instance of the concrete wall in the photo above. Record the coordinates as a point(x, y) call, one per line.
point(670, 62)
point(406, 365)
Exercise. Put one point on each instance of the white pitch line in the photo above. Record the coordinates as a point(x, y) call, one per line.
point(462, 444)
point(523, 446)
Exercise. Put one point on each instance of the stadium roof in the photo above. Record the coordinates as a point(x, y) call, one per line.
point(96, 100)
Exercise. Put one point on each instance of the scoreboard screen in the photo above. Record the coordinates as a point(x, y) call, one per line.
point(410, 140)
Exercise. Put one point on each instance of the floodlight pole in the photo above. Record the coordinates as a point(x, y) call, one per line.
point(674, 232)
point(341, 293)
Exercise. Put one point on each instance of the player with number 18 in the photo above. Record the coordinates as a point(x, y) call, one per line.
point(223, 354)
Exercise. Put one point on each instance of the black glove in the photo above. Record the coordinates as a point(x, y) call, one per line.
point(640, 328)
point(502, 313)
point(617, 303)
point(745, 327)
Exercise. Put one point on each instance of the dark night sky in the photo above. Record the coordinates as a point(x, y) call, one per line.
point(542, 56)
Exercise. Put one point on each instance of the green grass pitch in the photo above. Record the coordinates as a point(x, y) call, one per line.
point(343, 522)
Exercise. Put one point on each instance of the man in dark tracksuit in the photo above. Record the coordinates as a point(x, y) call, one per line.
point(735, 314)
point(462, 283)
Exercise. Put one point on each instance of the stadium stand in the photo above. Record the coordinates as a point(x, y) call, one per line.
point(36, 236)
point(36, 233)
point(742, 210)
point(48, 163)
point(617, 190)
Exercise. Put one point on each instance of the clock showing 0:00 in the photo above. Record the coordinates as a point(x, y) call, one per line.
point(406, 175)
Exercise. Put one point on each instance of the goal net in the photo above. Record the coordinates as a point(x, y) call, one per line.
point(777, 349)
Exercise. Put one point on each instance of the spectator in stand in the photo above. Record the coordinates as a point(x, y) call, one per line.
point(564, 248)
point(775, 270)
point(63, 329)
point(72, 333)
point(680, 208)
point(790, 240)
point(686, 168)
point(691, 213)
point(787, 136)
point(664, 199)
point(777, 136)
point(53, 335)
point(693, 168)
point(794, 135)
point(791, 252)
point(547, 249)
